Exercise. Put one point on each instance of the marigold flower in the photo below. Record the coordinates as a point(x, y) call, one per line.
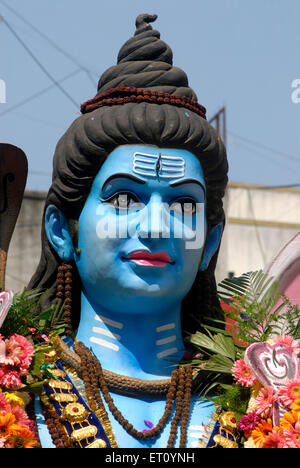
point(21, 437)
point(261, 432)
point(6, 421)
point(289, 392)
point(242, 373)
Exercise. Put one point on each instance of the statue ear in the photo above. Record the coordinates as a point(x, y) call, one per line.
point(58, 233)
point(212, 245)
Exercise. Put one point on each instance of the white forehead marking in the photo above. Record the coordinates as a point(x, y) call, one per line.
point(152, 165)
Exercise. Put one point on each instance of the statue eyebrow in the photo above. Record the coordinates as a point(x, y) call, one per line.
point(188, 181)
point(123, 175)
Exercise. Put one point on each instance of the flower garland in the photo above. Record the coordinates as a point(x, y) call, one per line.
point(23, 365)
point(252, 364)
point(16, 429)
point(257, 428)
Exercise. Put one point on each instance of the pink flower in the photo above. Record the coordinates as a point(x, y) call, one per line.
point(10, 378)
point(289, 392)
point(2, 442)
point(292, 436)
point(274, 439)
point(242, 373)
point(22, 418)
point(265, 401)
point(4, 404)
point(19, 352)
point(249, 422)
point(288, 341)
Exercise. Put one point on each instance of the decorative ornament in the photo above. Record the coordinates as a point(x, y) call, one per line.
point(273, 365)
point(6, 298)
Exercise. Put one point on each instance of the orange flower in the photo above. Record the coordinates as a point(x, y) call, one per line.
point(290, 419)
point(296, 406)
point(22, 437)
point(261, 432)
point(6, 422)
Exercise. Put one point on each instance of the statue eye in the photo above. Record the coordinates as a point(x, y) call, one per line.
point(184, 206)
point(124, 201)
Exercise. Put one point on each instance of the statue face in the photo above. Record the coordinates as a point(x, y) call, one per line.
point(137, 229)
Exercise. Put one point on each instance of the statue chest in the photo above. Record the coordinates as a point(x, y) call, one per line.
point(146, 413)
point(142, 414)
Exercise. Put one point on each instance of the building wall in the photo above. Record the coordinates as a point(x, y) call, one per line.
point(260, 220)
point(25, 246)
point(259, 223)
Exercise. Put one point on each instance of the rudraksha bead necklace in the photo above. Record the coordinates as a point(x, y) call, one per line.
point(180, 389)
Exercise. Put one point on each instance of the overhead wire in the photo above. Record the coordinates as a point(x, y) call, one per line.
point(266, 148)
point(52, 42)
point(38, 63)
point(39, 93)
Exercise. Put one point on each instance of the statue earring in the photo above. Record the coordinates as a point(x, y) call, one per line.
point(64, 293)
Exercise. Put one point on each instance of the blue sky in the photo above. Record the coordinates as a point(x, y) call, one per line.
point(240, 54)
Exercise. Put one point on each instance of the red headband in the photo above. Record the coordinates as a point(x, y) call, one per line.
point(124, 94)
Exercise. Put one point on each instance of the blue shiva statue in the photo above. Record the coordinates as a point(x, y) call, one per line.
point(135, 209)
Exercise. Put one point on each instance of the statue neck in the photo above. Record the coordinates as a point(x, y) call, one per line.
point(137, 345)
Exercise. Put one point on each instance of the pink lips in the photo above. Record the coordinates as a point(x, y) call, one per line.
point(143, 257)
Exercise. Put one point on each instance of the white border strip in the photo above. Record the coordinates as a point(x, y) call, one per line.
point(103, 331)
point(167, 352)
point(104, 343)
point(169, 326)
point(112, 323)
point(163, 341)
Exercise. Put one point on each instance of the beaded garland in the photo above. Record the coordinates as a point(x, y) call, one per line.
point(180, 389)
point(72, 424)
point(127, 94)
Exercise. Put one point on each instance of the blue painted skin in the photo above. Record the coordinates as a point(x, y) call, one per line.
point(130, 312)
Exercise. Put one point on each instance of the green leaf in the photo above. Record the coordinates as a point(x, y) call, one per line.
point(218, 344)
point(220, 364)
point(37, 362)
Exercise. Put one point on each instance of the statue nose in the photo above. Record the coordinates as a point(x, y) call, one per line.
point(155, 219)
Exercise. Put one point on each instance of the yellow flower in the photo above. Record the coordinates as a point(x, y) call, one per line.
point(296, 406)
point(289, 419)
point(15, 400)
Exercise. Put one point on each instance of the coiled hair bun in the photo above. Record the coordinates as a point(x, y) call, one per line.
point(145, 61)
